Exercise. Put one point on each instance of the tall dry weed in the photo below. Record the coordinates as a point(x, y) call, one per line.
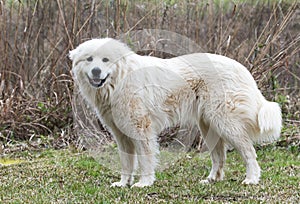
point(36, 88)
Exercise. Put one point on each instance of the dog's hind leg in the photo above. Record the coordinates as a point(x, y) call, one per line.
point(218, 157)
point(217, 150)
point(243, 144)
point(247, 151)
point(147, 151)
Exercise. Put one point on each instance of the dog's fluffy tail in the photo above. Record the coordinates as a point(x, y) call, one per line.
point(269, 121)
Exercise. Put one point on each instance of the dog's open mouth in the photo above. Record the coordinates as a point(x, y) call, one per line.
point(97, 82)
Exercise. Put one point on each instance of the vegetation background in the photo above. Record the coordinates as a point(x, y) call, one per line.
point(37, 94)
point(36, 88)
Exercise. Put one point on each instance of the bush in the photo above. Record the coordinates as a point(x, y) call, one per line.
point(36, 88)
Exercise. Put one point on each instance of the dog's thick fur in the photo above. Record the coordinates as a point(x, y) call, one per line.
point(136, 97)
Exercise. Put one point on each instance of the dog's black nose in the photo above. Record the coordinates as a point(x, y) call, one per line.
point(96, 71)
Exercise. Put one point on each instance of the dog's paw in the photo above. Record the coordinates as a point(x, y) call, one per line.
point(205, 181)
point(118, 184)
point(208, 180)
point(141, 184)
point(144, 181)
point(250, 181)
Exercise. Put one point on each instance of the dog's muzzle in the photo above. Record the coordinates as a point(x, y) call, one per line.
point(96, 81)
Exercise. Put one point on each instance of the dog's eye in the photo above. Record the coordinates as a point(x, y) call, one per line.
point(89, 59)
point(105, 59)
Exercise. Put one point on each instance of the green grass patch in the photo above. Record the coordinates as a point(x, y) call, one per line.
point(62, 176)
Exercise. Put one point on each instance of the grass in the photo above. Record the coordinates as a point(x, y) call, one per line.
point(64, 176)
point(36, 87)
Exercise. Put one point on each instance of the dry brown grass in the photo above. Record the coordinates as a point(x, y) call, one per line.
point(36, 88)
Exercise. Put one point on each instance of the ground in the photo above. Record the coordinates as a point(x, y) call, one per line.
point(66, 176)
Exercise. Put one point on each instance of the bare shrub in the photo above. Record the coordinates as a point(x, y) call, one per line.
point(36, 88)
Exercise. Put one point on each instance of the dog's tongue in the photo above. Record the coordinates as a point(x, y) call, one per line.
point(96, 80)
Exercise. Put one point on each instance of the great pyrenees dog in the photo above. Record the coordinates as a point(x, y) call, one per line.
point(136, 97)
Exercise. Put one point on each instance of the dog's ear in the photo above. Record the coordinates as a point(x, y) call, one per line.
point(72, 54)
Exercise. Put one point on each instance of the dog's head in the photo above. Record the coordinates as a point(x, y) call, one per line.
point(95, 61)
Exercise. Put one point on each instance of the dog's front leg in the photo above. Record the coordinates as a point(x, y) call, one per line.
point(147, 151)
point(128, 160)
point(128, 163)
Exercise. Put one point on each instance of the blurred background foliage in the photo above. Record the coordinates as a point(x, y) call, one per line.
point(36, 87)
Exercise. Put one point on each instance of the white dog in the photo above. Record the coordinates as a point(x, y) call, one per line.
point(136, 97)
